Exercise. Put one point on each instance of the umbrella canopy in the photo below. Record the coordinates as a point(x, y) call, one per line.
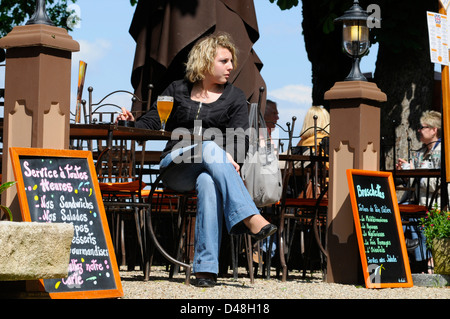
point(166, 30)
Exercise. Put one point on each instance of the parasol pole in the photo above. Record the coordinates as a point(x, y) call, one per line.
point(445, 106)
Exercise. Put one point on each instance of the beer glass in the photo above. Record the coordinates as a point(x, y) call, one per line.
point(164, 105)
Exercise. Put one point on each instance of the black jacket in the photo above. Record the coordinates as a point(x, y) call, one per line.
point(228, 117)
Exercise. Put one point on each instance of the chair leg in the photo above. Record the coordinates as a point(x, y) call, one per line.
point(149, 248)
point(148, 259)
point(281, 234)
point(249, 253)
point(268, 263)
point(121, 226)
point(149, 226)
point(140, 237)
point(234, 255)
point(307, 257)
point(117, 237)
point(112, 224)
point(290, 233)
point(260, 262)
point(181, 242)
point(318, 232)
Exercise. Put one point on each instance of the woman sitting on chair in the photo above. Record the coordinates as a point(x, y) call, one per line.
point(205, 96)
point(430, 135)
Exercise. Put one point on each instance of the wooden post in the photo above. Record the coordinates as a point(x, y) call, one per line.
point(354, 144)
point(37, 94)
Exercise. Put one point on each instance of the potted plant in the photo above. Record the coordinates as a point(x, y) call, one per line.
point(436, 227)
point(5, 209)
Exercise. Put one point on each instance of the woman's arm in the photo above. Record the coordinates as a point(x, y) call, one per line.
point(149, 120)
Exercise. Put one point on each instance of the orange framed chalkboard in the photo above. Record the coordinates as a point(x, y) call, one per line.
point(379, 229)
point(61, 186)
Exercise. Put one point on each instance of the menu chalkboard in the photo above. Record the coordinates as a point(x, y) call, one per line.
point(60, 186)
point(379, 229)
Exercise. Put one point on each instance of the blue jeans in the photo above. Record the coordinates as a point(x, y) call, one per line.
point(421, 253)
point(221, 194)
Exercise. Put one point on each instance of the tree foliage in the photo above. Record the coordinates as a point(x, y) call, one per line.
point(286, 4)
point(18, 12)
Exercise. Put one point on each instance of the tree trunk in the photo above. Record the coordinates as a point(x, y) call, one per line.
point(405, 73)
point(323, 42)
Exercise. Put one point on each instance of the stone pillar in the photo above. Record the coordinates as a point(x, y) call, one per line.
point(354, 143)
point(37, 93)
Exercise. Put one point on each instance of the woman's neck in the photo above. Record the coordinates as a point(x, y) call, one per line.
point(206, 91)
point(431, 144)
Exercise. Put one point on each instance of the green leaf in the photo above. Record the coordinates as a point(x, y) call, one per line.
point(6, 186)
point(328, 25)
point(7, 211)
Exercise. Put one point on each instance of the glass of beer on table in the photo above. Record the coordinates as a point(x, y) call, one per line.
point(164, 105)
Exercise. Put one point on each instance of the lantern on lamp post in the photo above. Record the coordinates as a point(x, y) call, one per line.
point(40, 15)
point(355, 38)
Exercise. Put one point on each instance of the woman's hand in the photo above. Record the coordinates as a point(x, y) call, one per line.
point(236, 165)
point(400, 162)
point(125, 115)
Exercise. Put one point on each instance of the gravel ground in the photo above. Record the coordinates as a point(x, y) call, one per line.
point(313, 287)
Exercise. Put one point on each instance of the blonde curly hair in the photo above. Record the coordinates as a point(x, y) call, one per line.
point(201, 57)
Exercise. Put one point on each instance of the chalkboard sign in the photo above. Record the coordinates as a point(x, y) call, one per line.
point(60, 186)
point(379, 229)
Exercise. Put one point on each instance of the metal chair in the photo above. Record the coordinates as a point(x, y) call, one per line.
point(120, 180)
point(304, 203)
point(96, 112)
point(163, 201)
point(185, 206)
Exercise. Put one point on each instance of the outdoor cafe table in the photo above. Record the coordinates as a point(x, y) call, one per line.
point(404, 174)
point(298, 157)
point(411, 173)
point(110, 132)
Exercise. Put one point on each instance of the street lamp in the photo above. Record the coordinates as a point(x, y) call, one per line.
point(40, 15)
point(355, 38)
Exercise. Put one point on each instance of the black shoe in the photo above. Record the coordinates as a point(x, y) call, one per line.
point(412, 244)
point(205, 282)
point(265, 232)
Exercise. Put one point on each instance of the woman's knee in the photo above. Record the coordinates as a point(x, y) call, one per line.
point(205, 182)
point(213, 153)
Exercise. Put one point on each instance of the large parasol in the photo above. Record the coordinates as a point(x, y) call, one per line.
point(165, 31)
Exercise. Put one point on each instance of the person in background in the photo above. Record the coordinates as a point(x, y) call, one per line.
point(307, 136)
point(322, 124)
point(206, 96)
point(271, 115)
point(428, 156)
point(315, 130)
